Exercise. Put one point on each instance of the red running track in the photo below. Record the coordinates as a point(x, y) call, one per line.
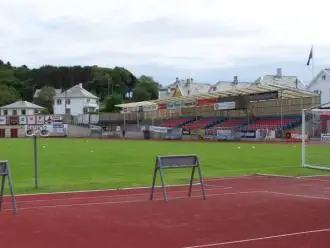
point(254, 211)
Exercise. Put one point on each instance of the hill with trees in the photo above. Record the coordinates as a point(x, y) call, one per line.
point(113, 85)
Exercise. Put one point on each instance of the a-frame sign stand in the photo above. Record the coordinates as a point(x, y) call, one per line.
point(176, 161)
point(5, 173)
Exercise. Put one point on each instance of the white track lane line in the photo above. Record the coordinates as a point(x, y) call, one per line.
point(132, 201)
point(114, 196)
point(299, 195)
point(321, 175)
point(120, 189)
point(298, 178)
point(259, 239)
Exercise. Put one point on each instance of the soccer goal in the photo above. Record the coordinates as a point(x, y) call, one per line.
point(315, 145)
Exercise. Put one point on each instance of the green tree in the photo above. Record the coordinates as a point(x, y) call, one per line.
point(45, 98)
point(8, 95)
point(111, 101)
point(101, 81)
point(146, 89)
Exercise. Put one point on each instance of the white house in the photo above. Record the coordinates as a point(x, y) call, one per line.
point(75, 101)
point(280, 80)
point(321, 85)
point(189, 88)
point(20, 108)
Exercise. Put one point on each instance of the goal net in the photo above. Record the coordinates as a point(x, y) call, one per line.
point(316, 141)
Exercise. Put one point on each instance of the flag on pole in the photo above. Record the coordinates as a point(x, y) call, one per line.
point(310, 57)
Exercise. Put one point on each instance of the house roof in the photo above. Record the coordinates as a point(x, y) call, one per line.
point(22, 105)
point(136, 104)
point(285, 81)
point(227, 85)
point(77, 91)
point(57, 92)
point(286, 93)
point(189, 87)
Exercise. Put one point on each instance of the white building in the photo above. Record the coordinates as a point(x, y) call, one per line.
point(321, 85)
point(75, 101)
point(189, 88)
point(281, 80)
point(20, 108)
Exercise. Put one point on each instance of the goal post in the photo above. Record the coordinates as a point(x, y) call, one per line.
point(315, 146)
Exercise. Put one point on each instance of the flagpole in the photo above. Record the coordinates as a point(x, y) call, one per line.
point(313, 62)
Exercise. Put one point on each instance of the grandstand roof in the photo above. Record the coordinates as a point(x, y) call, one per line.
point(135, 104)
point(285, 93)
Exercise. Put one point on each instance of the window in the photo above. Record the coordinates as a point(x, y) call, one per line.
point(67, 111)
point(59, 101)
point(14, 111)
point(67, 101)
point(88, 100)
point(85, 110)
point(36, 111)
point(23, 112)
point(5, 112)
point(324, 77)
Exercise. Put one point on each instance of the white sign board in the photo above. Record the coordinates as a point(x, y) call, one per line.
point(325, 137)
point(224, 105)
point(53, 130)
point(3, 120)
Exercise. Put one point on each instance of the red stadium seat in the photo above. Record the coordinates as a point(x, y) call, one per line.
point(271, 123)
point(232, 123)
point(199, 124)
point(175, 122)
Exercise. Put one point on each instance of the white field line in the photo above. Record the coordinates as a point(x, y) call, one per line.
point(112, 196)
point(260, 238)
point(299, 195)
point(132, 201)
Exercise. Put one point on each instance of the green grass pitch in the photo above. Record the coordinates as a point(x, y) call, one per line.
point(79, 164)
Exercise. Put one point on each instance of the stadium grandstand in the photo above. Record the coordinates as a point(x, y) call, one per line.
point(247, 111)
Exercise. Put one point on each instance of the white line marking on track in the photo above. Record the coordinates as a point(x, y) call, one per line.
point(294, 177)
point(112, 196)
point(100, 190)
point(131, 201)
point(258, 239)
point(299, 195)
point(274, 175)
point(115, 189)
point(322, 175)
point(313, 179)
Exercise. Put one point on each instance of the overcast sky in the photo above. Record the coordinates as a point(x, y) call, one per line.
point(208, 40)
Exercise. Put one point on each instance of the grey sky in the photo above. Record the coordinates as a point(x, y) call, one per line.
point(208, 40)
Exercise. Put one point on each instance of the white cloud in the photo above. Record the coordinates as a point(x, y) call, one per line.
point(188, 34)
